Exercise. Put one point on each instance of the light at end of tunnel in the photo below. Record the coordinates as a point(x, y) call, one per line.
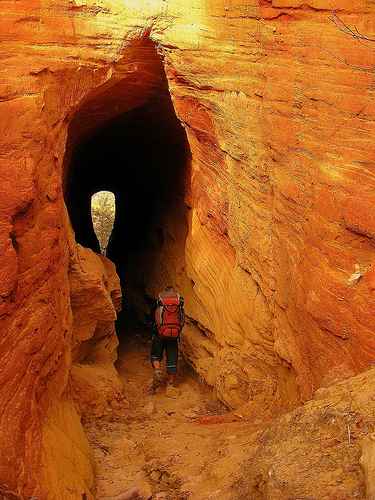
point(103, 211)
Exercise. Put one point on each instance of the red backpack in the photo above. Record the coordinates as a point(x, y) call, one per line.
point(170, 315)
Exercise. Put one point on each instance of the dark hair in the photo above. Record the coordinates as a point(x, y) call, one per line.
point(168, 288)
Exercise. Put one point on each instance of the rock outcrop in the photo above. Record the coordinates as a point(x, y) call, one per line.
point(323, 449)
point(95, 295)
point(272, 246)
point(278, 142)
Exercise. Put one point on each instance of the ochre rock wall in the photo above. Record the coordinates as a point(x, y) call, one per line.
point(281, 135)
point(44, 451)
point(277, 268)
point(95, 295)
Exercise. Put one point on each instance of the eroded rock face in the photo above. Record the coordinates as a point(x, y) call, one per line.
point(276, 269)
point(272, 259)
point(95, 294)
point(285, 182)
point(316, 449)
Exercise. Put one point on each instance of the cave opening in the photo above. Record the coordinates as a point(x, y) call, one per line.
point(142, 156)
point(103, 213)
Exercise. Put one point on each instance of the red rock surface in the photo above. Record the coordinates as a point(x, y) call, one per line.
point(291, 174)
point(281, 196)
point(95, 294)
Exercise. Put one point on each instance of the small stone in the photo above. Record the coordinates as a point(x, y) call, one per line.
point(172, 392)
point(122, 447)
point(150, 409)
point(155, 475)
point(320, 393)
point(145, 491)
point(165, 477)
point(333, 442)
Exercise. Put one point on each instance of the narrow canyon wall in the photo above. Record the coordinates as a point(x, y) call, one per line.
point(95, 295)
point(281, 135)
point(44, 451)
point(279, 282)
point(276, 269)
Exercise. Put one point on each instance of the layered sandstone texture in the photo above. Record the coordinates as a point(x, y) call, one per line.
point(95, 295)
point(271, 238)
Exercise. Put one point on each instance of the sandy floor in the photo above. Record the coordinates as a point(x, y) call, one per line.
point(184, 445)
point(178, 445)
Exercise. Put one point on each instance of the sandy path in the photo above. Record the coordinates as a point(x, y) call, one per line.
point(177, 446)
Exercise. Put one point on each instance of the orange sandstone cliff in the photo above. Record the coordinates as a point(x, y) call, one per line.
point(267, 109)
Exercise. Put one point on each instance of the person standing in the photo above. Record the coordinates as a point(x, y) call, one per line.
point(169, 319)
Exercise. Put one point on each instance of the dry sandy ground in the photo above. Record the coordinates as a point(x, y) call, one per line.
point(177, 445)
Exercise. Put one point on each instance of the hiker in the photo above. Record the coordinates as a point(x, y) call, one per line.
point(169, 319)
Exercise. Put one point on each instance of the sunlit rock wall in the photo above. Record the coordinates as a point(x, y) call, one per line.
point(278, 275)
point(282, 138)
point(44, 451)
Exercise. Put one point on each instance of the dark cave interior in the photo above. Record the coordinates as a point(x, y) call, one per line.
point(143, 164)
point(143, 157)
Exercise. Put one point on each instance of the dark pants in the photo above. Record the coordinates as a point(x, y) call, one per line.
point(171, 350)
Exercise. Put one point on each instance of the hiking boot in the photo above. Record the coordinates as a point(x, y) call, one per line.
point(158, 377)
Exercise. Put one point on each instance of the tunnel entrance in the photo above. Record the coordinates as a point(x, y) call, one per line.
point(142, 156)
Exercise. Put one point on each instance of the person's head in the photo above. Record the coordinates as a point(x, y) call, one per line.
point(168, 288)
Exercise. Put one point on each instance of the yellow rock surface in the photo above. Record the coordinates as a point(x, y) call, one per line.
point(278, 110)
